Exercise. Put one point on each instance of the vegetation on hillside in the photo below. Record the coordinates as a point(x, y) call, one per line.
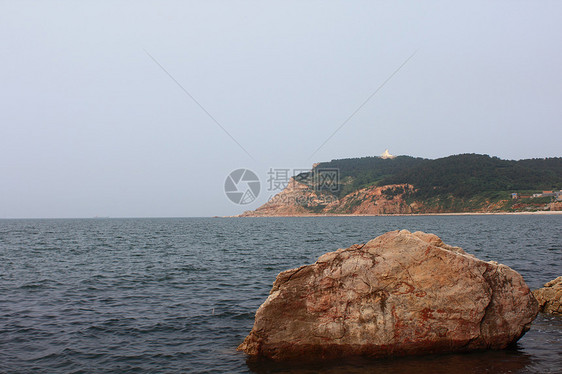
point(464, 182)
point(356, 173)
point(469, 175)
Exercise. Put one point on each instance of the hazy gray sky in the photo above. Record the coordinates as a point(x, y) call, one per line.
point(90, 125)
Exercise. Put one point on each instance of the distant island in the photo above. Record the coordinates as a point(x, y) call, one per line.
point(465, 183)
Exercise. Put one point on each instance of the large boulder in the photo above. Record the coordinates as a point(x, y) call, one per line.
point(550, 297)
point(400, 293)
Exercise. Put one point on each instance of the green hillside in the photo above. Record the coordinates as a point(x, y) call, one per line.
point(361, 172)
point(461, 182)
point(469, 175)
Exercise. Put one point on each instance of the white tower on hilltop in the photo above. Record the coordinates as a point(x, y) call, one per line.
point(387, 154)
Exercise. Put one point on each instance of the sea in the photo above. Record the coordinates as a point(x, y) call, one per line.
point(178, 295)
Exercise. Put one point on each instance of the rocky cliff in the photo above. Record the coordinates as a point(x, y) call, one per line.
point(301, 199)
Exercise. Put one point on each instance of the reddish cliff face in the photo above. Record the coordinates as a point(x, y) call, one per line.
point(296, 199)
point(300, 199)
point(374, 200)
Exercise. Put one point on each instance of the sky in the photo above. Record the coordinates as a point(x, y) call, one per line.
point(143, 108)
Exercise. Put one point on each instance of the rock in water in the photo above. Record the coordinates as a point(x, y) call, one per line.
point(550, 297)
point(401, 293)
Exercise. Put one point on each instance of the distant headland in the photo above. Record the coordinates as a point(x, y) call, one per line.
point(389, 185)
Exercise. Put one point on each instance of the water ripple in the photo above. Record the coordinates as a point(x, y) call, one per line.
point(178, 295)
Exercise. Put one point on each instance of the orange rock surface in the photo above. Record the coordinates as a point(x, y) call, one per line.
point(400, 293)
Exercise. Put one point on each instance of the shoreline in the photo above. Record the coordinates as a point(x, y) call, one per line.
point(540, 213)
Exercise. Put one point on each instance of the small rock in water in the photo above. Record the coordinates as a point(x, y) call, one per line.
point(550, 297)
point(398, 294)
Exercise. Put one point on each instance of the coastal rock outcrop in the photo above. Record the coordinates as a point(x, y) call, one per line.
point(550, 296)
point(375, 200)
point(400, 293)
point(299, 199)
point(294, 200)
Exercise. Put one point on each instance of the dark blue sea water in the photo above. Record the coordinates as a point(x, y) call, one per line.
point(178, 295)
